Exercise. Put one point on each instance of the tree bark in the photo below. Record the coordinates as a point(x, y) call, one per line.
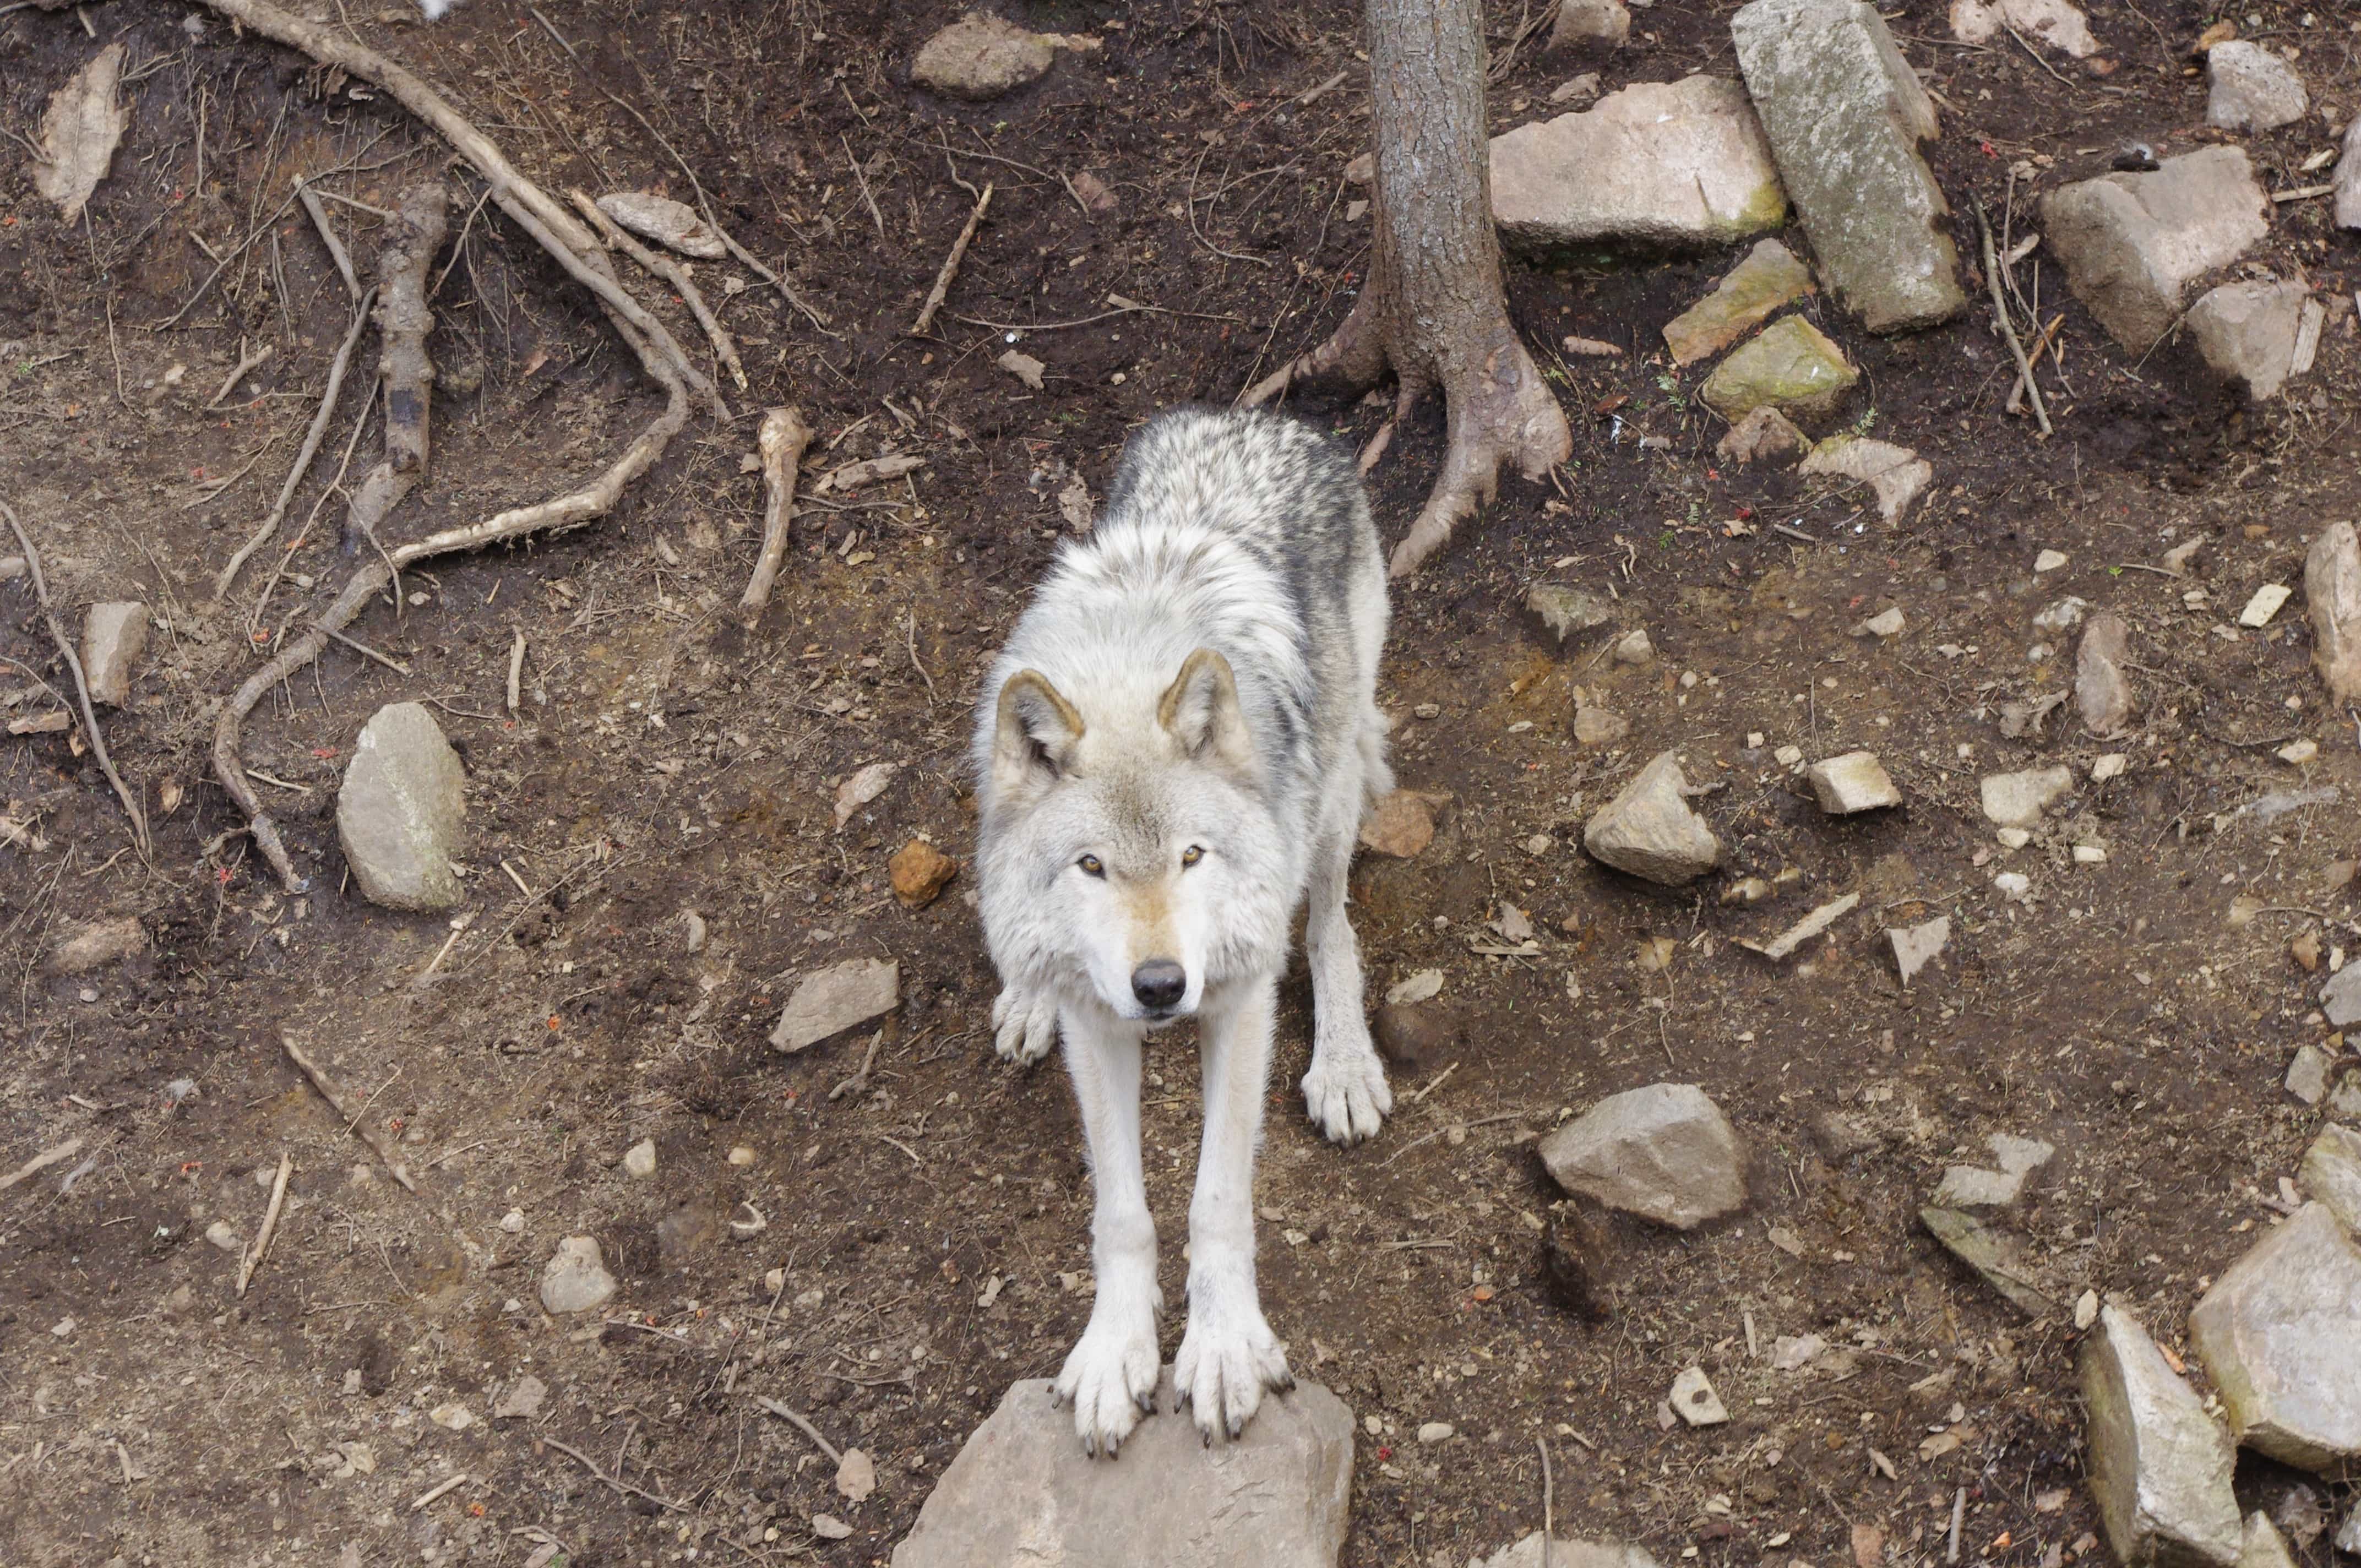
point(1433, 312)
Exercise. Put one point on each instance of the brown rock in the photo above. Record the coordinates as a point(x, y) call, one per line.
point(982, 57)
point(1765, 435)
point(919, 871)
point(2100, 689)
point(1414, 1037)
point(98, 944)
point(1401, 824)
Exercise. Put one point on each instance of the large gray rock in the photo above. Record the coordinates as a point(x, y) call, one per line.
point(1675, 165)
point(2331, 1172)
point(2251, 89)
point(2348, 211)
point(2101, 691)
point(981, 57)
point(1021, 1492)
point(1567, 1554)
point(402, 811)
point(2132, 243)
point(114, 635)
point(1845, 115)
point(2280, 1331)
point(1648, 830)
point(2332, 597)
point(841, 997)
point(1665, 1153)
point(2263, 1546)
point(2159, 1468)
point(2246, 332)
point(2341, 997)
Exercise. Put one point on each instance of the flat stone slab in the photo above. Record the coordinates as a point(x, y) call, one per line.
point(1666, 165)
point(2331, 1173)
point(1844, 115)
point(1567, 1553)
point(2247, 330)
point(1897, 476)
point(2348, 216)
point(2102, 693)
point(1769, 279)
point(2280, 1333)
point(1974, 1244)
point(1916, 947)
point(2159, 1468)
point(2132, 243)
point(2015, 1159)
point(114, 635)
point(1665, 1153)
point(1648, 830)
point(982, 57)
point(1854, 782)
point(402, 811)
point(1021, 1492)
point(2017, 800)
point(1790, 365)
point(838, 998)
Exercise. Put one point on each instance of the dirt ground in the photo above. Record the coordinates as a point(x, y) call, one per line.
point(919, 1239)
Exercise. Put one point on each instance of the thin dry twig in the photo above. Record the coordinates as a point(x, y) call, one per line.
point(327, 1088)
point(951, 266)
point(672, 272)
point(801, 1423)
point(516, 669)
point(81, 686)
point(245, 362)
point(253, 1257)
point(42, 1162)
point(2007, 328)
point(336, 252)
point(591, 1464)
point(781, 444)
point(311, 449)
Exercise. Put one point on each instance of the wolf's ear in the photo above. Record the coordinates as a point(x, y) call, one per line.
point(1036, 730)
point(1200, 709)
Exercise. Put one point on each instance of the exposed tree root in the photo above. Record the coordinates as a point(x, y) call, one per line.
point(573, 248)
point(672, 272)
point(781, 443)
point(403, 321)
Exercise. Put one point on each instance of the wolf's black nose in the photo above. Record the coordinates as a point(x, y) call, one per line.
point(1159, 983)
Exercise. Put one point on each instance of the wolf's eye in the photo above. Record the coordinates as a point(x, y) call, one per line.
point(1191, 855)
point(1092, 865)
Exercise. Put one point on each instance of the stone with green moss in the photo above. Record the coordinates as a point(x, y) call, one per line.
point(1790, 365)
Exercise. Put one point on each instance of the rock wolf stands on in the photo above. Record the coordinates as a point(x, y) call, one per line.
point(1174, 750)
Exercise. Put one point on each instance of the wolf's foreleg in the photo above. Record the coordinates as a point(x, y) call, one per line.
point(1228, 1355)
point(1110, 1374)
point(1024, 1024)
point(1345, 1093)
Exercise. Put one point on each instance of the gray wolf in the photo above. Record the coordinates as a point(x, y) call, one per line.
point(1173, 753)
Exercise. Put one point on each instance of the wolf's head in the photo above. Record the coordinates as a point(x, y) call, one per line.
point(1138, 854)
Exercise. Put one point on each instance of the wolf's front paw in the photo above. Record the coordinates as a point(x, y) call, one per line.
point(1024, 1024)
point(1345, 1093)
point(1109, 1379)
point(1228, 1356)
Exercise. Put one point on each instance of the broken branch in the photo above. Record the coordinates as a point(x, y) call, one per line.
point(672, 272)
point(269, 1224)
point(951, 266)
point(320, 1082)
point(781, 443)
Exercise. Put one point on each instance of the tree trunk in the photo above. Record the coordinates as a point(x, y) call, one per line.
point(1433, 312)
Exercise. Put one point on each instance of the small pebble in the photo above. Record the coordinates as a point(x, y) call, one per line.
point(2299, 752)
point(1437, 1432)
point(741, 1155)
point(641, 1160)
point(2049, 561)
point(512, 1221)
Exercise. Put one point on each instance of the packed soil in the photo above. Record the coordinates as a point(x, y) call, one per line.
point(884, 1240)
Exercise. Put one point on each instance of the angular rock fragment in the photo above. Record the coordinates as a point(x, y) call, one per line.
point(2159, 1467)
point(2132, 243)
point(2341, 997)
point(1968, 1239)
point(1854, 782)
point(1764, 435)
point(1845, 115)
point(2248, 333)
point(1591, 23)
point(1021, 1490)
point(2348, 216)
point(575, 1279)
point(1768, 279)
point(919, 871)
point(2059, 22)
point(1790, 365)
point(666, 221)
point(1975, 1187)
point(1566, 611)
point(1916, 947)
point(2331, 1173)
point(1694, 1401)
point(1804, 930)
point(1675, 165)
point(841, 997)
point(1399, 823)
point(1564, 1552)
point(2280, 1333)
point(2101, 691)
point(1896, 476)
point(2331, 596)
point(402, 811)
point(982, 57)
point(2251, 89)
point(1665, 1153)
point(113, 638)
point(1648, 830)
point(2017, 800)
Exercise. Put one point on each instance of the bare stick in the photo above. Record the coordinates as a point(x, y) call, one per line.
point(328, 238)
point(403, 321)
point(320, 1082)
point(591, 1464)
point(269, 1224)
point(2041, 345)
point(336, 487)
point(781, 443)
point(1549, 1500)
point(245, 362)
point(366, 651)
point(439, 1489)
point(2007, 328)
point(1959, 1516)
point(951, 265)
point(801, 1423)
point(337, 368)
point(82, 687)
point(42, 1162)
point(516, 669)
point(672, 272)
